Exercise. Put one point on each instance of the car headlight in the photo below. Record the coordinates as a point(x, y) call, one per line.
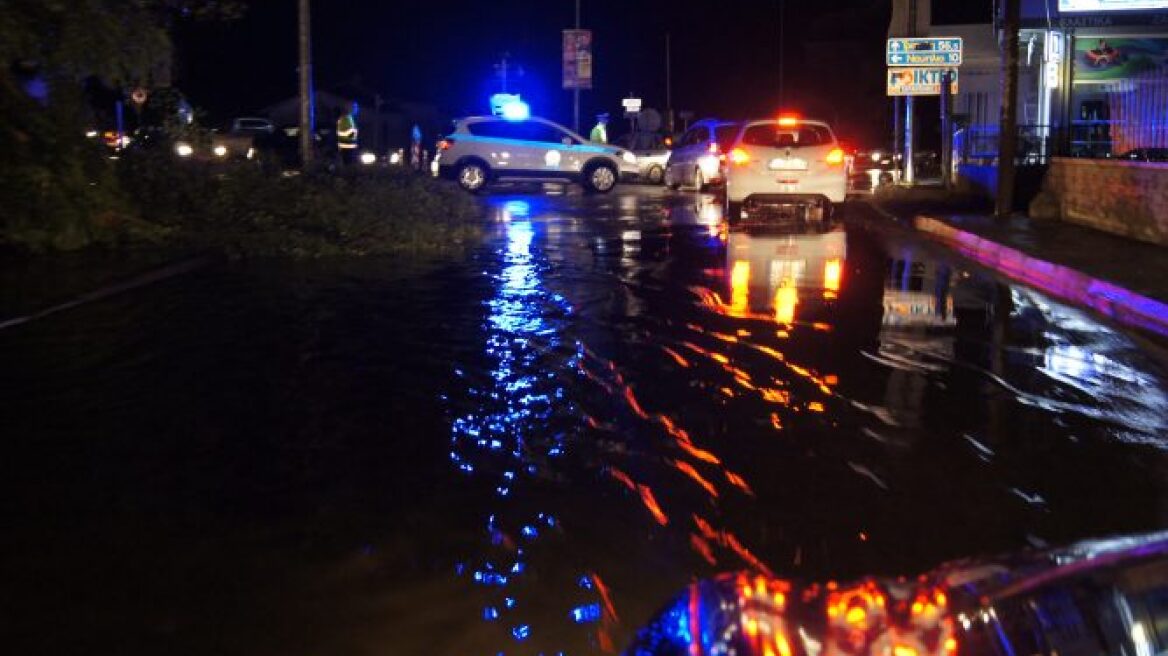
point(220, 151)
point(183, 149)
point(395, 158)
point(629, 157)
point(368, 159)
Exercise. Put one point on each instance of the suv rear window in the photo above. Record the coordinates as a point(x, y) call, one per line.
point(774, 136)
point(724, 135)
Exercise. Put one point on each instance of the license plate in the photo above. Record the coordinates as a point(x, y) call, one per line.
point(788, 164)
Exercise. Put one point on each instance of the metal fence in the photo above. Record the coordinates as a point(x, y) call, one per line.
point(1098, 139)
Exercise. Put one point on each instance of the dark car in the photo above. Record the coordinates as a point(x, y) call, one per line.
point(1145, 155)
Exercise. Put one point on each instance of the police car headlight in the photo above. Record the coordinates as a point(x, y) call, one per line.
point(368, 159)
point(220, 151)
point(629, 158)
point(183, 149)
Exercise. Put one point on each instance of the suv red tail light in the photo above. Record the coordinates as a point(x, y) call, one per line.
point(739, 157)
point(445, 144)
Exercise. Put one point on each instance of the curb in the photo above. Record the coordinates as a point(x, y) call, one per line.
point(1110, 300)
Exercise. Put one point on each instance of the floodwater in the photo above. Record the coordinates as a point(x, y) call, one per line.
point(531, 451)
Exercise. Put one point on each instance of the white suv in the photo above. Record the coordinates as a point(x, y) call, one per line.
point(487, 148)
point(785, 165)
point(697, 158)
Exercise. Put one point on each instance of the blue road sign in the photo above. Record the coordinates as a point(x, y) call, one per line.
point(925, 52)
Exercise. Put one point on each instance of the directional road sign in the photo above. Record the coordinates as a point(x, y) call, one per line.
point(918, 81)
point(925, 52)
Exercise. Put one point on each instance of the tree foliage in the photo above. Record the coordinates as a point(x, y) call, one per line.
point(121, 42)
point(57, 187)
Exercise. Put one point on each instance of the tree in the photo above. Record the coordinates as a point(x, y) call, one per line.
point(54, 182)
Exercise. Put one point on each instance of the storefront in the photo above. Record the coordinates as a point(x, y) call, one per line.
point(1095, 79)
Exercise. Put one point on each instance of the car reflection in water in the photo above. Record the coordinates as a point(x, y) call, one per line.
point(786, 276)
point(1103, 597)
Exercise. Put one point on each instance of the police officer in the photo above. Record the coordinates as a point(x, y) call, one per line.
point(600, 132)
point(347, 136)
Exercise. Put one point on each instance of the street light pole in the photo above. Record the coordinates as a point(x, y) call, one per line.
point(307, 104)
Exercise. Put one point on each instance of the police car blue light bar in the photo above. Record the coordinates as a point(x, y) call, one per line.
point(510, 106)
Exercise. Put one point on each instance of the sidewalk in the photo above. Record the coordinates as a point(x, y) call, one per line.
point(1123, 279)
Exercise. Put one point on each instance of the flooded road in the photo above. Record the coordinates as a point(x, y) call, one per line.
point(533, 451)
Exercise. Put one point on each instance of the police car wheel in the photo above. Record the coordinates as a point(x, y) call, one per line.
point(472, 176)
point(601, 178)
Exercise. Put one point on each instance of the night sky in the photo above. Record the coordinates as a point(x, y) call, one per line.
point(726, 55)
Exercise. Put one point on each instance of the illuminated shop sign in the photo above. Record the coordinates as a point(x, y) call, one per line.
point(1071, 6)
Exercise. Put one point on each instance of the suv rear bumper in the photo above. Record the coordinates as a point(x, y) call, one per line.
point(771, 209)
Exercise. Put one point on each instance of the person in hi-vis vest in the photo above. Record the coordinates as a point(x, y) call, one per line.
point(347, 134)
point(600, 132)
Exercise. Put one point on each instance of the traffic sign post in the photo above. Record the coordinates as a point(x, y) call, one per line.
point(925, 52)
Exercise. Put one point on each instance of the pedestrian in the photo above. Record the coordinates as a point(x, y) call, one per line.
point(416, 148)
point(348, 136)
point(600, 132)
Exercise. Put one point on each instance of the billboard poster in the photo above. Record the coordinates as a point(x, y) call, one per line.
point(1071, 6)
point(1102, 59)
point(918, 81)
point(577, 59)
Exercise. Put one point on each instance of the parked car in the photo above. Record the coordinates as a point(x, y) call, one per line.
point(252, 126)
point(697, 160)
point(1145, 155)
point(789, 165)
point(485, 149)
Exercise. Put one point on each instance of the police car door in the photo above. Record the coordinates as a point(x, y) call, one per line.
point(551, 153)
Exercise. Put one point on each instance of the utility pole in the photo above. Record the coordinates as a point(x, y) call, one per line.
point(307, 104)
point(1008, 131)
point(669, 83)
point(576, 88)
point(947, 129)
point(782, 50)
point(502, 69)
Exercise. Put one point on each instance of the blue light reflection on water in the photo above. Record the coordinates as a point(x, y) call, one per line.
point(500, 437)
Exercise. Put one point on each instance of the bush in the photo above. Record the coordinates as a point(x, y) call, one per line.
point(240, 210)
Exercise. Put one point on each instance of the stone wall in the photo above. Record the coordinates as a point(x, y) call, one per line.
point(1124, 198)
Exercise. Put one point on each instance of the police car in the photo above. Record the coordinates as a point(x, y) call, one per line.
point(515, 146)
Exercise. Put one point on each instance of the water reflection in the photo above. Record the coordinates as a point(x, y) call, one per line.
point(772, 274)
point(505, 440)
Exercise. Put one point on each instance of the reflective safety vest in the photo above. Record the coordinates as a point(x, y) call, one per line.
point(599, 134)
point(346, 132)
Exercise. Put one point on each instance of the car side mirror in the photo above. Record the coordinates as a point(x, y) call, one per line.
point(568, 141)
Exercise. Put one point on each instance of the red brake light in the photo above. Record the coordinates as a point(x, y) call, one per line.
point(739, 157)
point(788, 121)
point(445, 144)
point(835, 157)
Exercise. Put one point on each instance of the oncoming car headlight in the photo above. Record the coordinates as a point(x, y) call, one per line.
point(183, 149)
point(629, 157)
point(368, 159)
point(220, 151)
